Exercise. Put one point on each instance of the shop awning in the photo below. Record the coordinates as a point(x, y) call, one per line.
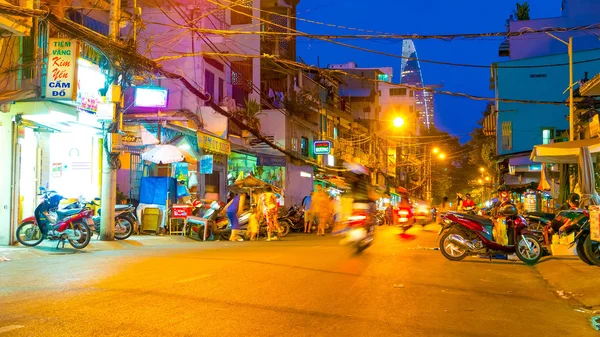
point(16, 95)
point(521, 161)
point(565, 152)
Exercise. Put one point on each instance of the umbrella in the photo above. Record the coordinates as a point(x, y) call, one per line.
point(586, 178)
point(163, 154)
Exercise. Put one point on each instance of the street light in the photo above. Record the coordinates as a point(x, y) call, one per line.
point(435, 150)
point(481, 169)
point(487, 178)
point(442, 156)
point(398, 122)
point(480, 181)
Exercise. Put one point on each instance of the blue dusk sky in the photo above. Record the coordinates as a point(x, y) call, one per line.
point(455, 115)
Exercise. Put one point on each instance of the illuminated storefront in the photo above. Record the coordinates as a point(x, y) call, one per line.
point(269, 169)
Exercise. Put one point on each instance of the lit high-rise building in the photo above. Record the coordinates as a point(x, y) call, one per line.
point(410, 74)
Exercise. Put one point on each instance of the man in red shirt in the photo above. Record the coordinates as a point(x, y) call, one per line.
point(468, 202)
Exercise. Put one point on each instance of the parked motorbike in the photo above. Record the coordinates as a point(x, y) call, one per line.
point(70, 225)
point(465, 234)
point(125, 219)
point(295, 218)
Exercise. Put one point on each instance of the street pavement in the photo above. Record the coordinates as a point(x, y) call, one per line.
point(302, 286)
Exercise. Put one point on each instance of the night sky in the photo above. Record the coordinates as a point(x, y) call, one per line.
point(426, 18)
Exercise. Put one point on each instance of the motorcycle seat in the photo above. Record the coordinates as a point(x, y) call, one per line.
point(63, 213)
point(480, 219)
point(121, 207)
point(548, 216)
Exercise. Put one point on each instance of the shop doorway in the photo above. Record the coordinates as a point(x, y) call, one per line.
point(29, 156)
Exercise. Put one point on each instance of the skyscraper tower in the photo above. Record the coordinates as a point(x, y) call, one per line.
point(410, 73)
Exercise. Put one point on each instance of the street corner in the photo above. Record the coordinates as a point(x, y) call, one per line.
point(572, 280)
point(17, 253)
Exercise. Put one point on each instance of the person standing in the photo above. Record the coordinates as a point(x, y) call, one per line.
point(320, 209)
point(269, 210)
point(308, 215)
point(253, 224)
point(233, 210)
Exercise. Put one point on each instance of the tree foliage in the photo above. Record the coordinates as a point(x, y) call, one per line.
point(522, 11)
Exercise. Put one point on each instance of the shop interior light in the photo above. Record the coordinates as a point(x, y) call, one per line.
point(330, 160)
point(52, 117)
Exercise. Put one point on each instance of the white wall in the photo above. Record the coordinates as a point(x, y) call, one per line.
point(6, 148)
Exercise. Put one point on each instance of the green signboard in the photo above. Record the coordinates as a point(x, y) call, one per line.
point(322, 146)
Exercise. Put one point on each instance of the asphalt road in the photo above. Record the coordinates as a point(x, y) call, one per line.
point(303, 286)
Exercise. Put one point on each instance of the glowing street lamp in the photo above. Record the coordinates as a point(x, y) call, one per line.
point(398, 122)
point(435, 150)
point(442, 156)
point(481, 169)
point(480, 181)
point(487, 178)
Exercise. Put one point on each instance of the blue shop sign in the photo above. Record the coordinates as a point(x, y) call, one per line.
point(270, 161)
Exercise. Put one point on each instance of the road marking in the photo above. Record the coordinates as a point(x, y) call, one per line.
point(195, 278)
point(10, 328)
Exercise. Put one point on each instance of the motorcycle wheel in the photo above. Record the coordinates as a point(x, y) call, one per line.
point(127, 228)
point(523, 252)
point(85, 235)
point(226, 235)
point(285, 228)
point(581, 251)
point(592, 250)
point(29, 234)
point(450, 250)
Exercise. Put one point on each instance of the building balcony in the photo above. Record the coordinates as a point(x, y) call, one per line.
point(16, 25)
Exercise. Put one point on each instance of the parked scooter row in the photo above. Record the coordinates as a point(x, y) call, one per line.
point(220, 228)
point(528, 235)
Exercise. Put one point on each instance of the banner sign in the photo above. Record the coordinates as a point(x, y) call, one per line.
point(206, 164)
point(61, 81)
point(213, 144)
point(322, 146)
point(270, 161)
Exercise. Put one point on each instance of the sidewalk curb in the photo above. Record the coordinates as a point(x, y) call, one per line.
point(582, 282)
point(15, 253)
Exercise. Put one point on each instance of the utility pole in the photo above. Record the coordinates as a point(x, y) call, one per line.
point(109, 173)
point(571, 84)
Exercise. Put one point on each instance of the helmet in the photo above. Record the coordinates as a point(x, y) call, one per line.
point(574, 198)
point(508, 210)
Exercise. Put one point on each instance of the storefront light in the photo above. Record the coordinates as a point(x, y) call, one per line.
point(305, 174)
point(330, 160)
point(51, 117)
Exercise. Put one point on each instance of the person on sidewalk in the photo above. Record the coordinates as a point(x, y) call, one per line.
point(320, 208)
point(308, 214)
point(233, 210)
point(270, 211)
point(253, 224)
